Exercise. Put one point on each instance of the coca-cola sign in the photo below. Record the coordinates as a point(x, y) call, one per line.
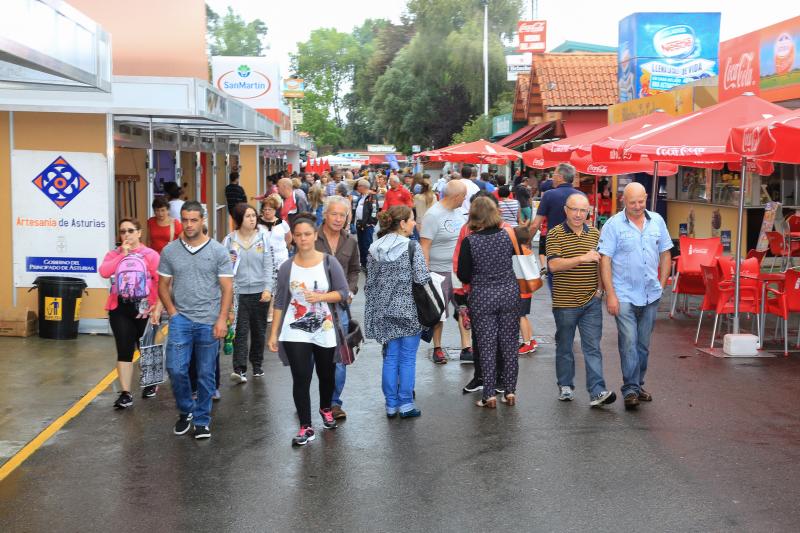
point(680, 151)
point(532, 35)
point(739, 74)
point(597, 169)
point(739, 66)
point(751, 138)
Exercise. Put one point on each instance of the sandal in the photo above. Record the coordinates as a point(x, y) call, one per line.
point(490, 403)
point(510, 399)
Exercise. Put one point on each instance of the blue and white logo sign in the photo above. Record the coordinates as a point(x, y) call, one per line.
point(253, 80)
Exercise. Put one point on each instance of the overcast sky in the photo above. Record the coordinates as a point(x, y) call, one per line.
point(590, 21)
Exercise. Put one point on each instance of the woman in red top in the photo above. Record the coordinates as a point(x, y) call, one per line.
point(162, 228)
point(128, 308)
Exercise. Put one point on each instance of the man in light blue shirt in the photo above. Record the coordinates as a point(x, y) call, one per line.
point(635, 248)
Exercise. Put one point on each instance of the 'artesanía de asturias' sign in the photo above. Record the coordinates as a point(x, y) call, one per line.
point(60, 210)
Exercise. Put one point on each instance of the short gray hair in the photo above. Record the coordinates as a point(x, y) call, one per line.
point(334, 200)
point(394, 179)
point(363, 182)
point(566, 171)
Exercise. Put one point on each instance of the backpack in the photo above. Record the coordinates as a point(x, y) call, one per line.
point(130, 278)
point(429, 304)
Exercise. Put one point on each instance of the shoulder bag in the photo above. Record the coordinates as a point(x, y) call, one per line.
point(348, 343)
point(526, 268)
point(428, 302)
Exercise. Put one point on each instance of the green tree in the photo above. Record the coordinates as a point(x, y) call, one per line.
point(230, 35)
point(327, 63)
point(434, 85)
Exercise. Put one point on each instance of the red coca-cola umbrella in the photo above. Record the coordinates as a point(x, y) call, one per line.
point(582, 143)
point(537, 158)
point(775, 139)
point(478, 152)
point(701, 136)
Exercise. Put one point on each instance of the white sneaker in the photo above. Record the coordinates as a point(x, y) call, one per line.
point(566, 394)
point(239, 377)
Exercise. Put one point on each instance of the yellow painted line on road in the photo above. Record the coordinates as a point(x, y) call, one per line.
point(38, 441)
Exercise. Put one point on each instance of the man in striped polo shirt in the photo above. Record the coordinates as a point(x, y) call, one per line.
point(577, 300)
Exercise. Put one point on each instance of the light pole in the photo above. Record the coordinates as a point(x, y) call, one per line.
point(486, 57)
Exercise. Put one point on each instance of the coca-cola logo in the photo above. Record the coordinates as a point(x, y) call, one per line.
point(680, 151)
point(694, 250)
point(559, 148)
point(738, 75)
point(597, 169)
point(537, 163)
point(750, 140)
point(534, 26)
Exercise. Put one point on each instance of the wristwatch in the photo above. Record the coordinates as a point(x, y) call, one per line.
point(600, 293)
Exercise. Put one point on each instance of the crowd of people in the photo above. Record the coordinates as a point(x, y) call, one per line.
point(285, 277)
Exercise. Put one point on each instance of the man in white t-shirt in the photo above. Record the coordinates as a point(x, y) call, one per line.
point(438, 236)
point(467, 172)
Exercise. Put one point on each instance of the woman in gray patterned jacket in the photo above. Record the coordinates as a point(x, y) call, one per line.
point(390, 314)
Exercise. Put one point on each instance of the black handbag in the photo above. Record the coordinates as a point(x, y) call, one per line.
point(348, 343)
point(429, 304)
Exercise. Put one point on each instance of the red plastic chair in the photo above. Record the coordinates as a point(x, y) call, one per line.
point(782, 303)
point(719, 298)
point(794, 223)
point(777, 247)
point(760, 255)
point(689, 277)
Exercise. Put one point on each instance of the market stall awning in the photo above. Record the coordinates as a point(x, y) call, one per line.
point(526, 134)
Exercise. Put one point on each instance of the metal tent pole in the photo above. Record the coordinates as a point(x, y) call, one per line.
point(738, 254)
point(151, 169)
point(654, 190)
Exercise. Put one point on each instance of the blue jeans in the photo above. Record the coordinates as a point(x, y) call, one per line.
point(341, 369)
point(364, 242)
point(186, 337)
point(588, 319)
point(634, 325)
point(399, 367)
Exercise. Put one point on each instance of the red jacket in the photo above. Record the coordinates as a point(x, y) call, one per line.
point(398, 196)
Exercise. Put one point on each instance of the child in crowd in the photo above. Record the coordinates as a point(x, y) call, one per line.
point(524, 238)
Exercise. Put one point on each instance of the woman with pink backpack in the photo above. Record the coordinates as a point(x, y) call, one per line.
point(132, 269)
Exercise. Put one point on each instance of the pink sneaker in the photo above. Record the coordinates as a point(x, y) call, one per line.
point(327, 418)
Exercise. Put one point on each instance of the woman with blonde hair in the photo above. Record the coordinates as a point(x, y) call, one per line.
point(423, 201)
point(485, 262)
point(316, 198)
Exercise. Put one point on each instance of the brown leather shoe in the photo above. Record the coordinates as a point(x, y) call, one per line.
point(338, 412)
point(631, 401)
point(645, 396)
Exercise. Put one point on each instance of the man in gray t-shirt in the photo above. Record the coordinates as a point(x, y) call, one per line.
point(196, 287)
point(438, 237)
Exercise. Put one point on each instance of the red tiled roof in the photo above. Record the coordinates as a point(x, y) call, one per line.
point(521, 89)
point(574, 80)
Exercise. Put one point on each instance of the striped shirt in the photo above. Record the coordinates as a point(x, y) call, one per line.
point(509, 210)
point(577, 286)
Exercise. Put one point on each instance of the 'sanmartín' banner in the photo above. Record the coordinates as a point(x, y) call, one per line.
point(61, 215)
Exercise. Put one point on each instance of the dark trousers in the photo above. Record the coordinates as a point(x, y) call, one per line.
point(497, 335)
point(364, 242)
point(303, 356)
point(251, 321)
point(127, 329)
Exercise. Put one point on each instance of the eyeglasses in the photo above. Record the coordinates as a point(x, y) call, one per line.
point(578, 210)
point(130, 230)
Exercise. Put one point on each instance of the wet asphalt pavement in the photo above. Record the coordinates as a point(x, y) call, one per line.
point(718, 450)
